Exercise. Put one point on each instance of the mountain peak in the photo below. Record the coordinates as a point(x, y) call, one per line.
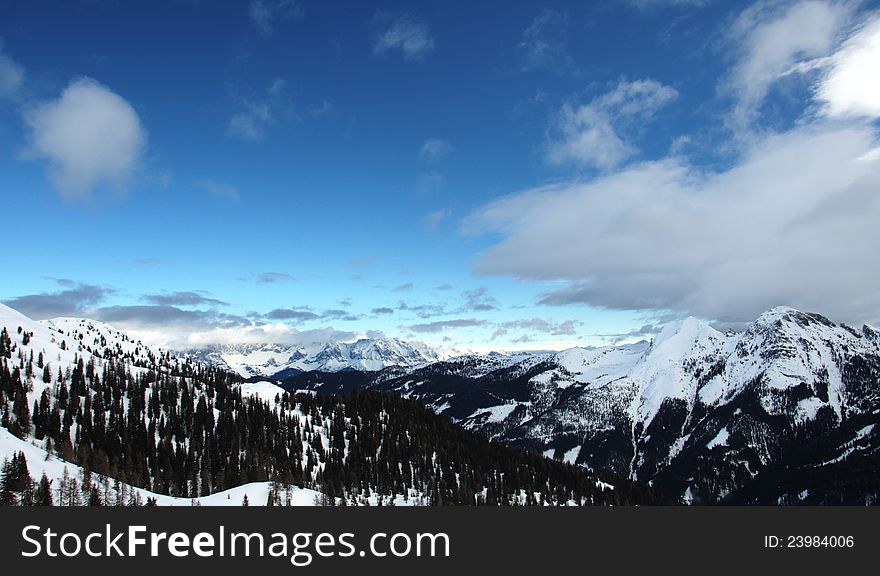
point(684, 333)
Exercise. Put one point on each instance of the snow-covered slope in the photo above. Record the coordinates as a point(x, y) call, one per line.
point(61, 472)
point(41, 360)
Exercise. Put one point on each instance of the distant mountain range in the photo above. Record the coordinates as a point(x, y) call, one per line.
point(784, 412)
point(275, 360)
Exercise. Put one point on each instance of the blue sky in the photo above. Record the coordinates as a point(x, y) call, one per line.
point(476, 174)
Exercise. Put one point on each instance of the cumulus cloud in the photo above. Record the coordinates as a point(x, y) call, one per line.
point(435, 149)
point(544, 42)
point(90, 137)
point(404, 33)
point(265, 13)
point(793, 222)
point(594, 134)
point(851, 83)
point(11, 75)
point(382, 311)
point(770, 40)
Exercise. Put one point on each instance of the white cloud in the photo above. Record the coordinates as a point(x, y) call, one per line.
point(656, 4)
point(250, 124)
point(851, 84)
point(264, 13)
point(407, 34)
point(256, 115)
point(791, 221)
point(434, 219)
point(544, 43)
point(429, 182)
point(771, 38)
point(90, 136)
point(271, 333)
point(794, 222)
point(220, 190)
point(435, 149)
point(11, 75)
point(590, 134)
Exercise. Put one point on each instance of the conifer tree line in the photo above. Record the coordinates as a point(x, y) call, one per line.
point(183, 429)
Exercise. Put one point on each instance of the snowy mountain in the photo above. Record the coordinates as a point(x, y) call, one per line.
point(778, 413)
point(89, 415)
point(268, 360)
point(784, 412)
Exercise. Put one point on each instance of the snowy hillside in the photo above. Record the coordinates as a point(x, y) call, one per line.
point(111, 421)
point(62, 474)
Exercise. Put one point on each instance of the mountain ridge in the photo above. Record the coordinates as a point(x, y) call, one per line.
point(706, 415)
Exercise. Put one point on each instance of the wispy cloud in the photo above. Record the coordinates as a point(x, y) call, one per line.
point(183, 299)
point(544, 43)
point(256, 114)
point(435, 149)
point(594, 134)
point(403, 33)
point(408, 287)
point(769, 40)
point(435, 218)
point(536, 326)
point(265, 13)
point(11, 75)
point(429, 182)
point(273, 277)
point(220, 190)
point(650, 5)
point(441, 325)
